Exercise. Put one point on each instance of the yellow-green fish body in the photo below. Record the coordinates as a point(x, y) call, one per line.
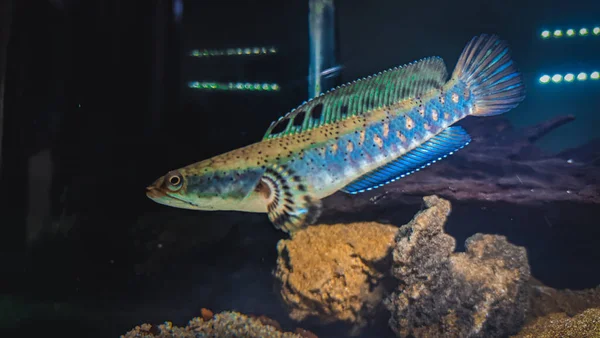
point(354, 138)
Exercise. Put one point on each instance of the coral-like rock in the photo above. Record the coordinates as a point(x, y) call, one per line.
point(481, 292)
point(334, 272)
point(585, 324)
point(222, 325)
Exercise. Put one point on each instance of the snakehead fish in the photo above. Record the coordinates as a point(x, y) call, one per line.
point(354, 138)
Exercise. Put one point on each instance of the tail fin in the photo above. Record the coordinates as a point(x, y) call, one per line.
point(485, 66)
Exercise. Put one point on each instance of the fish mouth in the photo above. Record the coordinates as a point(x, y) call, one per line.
point(159, 196)
point(155, 193)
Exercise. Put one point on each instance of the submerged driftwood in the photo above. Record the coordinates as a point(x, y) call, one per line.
point(500, 165)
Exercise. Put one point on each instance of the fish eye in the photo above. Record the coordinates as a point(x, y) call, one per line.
point(174, 181)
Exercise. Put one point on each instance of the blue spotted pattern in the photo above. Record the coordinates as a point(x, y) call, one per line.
point(436, 149)
point(386, 140)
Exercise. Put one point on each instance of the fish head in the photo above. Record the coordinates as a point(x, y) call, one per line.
point(205, 187)
point(170, 190)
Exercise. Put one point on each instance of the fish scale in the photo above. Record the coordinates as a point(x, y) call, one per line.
point(328, 172)
point(354, 138)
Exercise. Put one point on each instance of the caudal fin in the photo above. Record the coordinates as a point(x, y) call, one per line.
point(486, 67)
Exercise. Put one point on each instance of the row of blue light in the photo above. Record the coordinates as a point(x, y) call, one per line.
point(558, 33)
point(569, 77)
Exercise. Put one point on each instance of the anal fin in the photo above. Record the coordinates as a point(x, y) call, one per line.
point(431, 151)
point(291, 206)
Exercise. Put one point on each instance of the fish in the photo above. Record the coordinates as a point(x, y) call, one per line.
point(354, 138)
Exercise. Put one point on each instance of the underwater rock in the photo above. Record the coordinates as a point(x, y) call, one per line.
point(545, 300)
point(481, 292)
point(223, 325)
point(335, 272)
point(585, 324)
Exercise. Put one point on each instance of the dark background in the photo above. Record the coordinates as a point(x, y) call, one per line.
point(102, 85)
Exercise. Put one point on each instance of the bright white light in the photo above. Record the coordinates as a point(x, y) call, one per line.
point(569, 77)
point(570, 32)
point(557, 78)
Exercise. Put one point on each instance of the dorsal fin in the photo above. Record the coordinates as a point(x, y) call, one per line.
point(435, 149)
point(384, 89)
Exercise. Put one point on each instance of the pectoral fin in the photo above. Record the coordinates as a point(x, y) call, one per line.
point(290, 204)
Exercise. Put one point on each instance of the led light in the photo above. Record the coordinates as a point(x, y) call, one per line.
point(569, 77)
point(545, 79)
point(582, 76)
point(557, 33)
point(234, 86)
point(595, 76)
point(557, 78)
point(233, 51)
